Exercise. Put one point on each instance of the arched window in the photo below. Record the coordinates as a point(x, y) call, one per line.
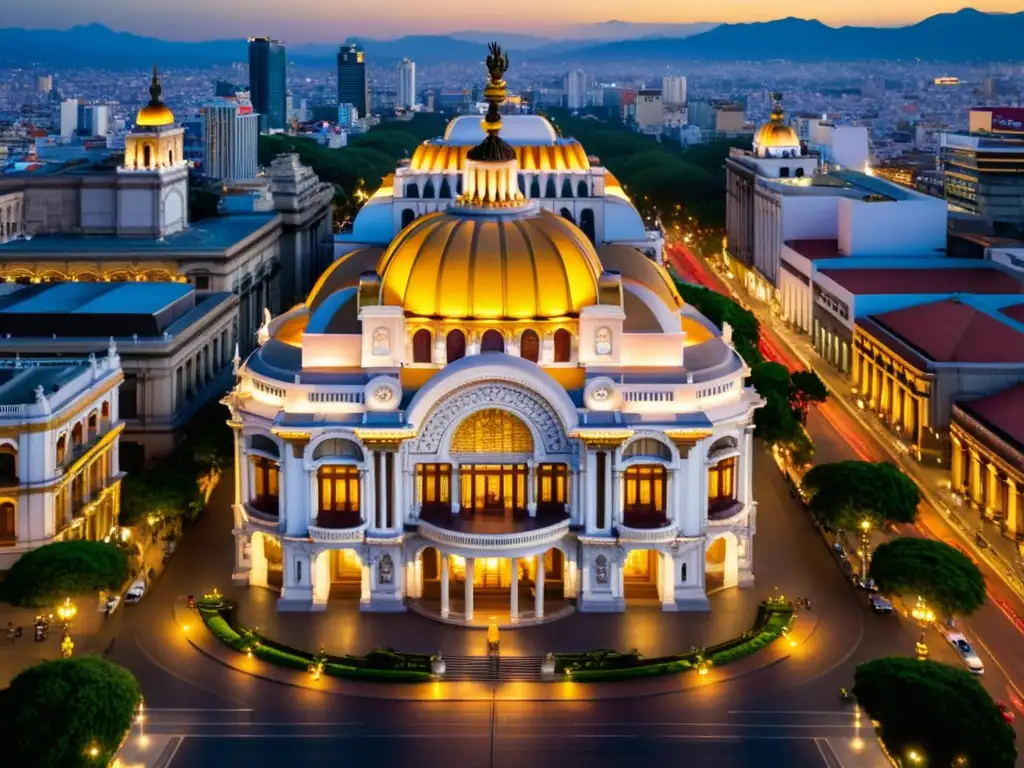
point(492, 430)
point(492, 341)
point(784, 172)
point(61, 449)
point(455, 344)
point(682, 574)
point(529, 346)
point(8, 523)
point(645, 493)
point(551, 190)
point(339, 495)
point(170, 157)
point(563, 346)
point(567, 215)
point(265, 485)
point(567, 187)
point(722, 484)
point(408, 217)
point(446, 189)
point(587, 224)
point(647, 446)
point(94, 425)
point(337, 448)
point(535, 188)
point(147, 155)
point(76, 435)
point(411, 189)
point(799, 173)
point(8, 465)
point(428, 190)
point(581, 189)
point(264, 444)
point(422, 346)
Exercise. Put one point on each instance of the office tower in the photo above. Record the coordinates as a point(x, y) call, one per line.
point(94, 120)
point(406, 84)
point(576, 86)
point(44, 83)
point(267, 82)
point(673, 91)
point(352, 85)
point(230, 133)
point(68, 118)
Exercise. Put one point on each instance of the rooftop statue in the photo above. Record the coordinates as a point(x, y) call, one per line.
point(497, 61)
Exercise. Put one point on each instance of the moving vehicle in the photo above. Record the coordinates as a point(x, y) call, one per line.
point(879, 604)
point(1005, 712)
point(135, 592)
point(962, 647)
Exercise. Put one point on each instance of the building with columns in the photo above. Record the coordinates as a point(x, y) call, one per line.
point(59, 472)
point(911, 365)
point(987, 465)
point(492, 414)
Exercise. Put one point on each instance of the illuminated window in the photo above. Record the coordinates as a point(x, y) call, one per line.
point(265, 476)
point(492, 431)
point(552, 482)
point(433, 483)
point(722, 483)
point(645, 490)
point(339, 489)
point(8, 527)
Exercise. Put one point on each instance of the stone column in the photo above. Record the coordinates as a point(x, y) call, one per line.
point(297, 586)
point(745, 481)
point(295, 487)
point(514, 597)
point(531, 487)
point(365, 496)
point(589, 483)
point(444, 585)
point(616, 496)
point(992, 498)
point(382, 490)
point(1012, 512)
point(470, 572)
point(956, 467)
point(456, 489)
point(974, 477)
point(667, 581)
point(364, 581)
point(538, 610)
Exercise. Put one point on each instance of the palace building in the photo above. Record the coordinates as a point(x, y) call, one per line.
point(493, 416)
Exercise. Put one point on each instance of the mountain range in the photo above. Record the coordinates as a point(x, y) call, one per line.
point(967, 35)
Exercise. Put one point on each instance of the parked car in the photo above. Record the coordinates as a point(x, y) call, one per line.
point(867, 584)
point(879, 604)
point(135, 592)
point(1005, 712)
point(966, 652)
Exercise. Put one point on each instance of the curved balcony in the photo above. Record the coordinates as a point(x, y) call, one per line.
point(337, 526)
point(668, 531)
point(260, 519)
point(475, 534)
point(725, 513)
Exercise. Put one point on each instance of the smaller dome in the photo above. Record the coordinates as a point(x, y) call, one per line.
point(776, 135)
point(154, 116)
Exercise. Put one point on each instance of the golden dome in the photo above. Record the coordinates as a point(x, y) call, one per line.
point(776, 135)
point(154, 114)
point(490, 267)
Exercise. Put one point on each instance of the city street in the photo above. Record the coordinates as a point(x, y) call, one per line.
point(996, 629)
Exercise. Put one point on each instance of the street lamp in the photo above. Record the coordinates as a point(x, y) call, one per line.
point(922, 612)
point(67, 611)
point(865, 543)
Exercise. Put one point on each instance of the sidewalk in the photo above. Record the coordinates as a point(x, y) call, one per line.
point(206, 643)
point(90, 630)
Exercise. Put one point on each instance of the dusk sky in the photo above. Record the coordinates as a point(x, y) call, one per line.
point(299, 21)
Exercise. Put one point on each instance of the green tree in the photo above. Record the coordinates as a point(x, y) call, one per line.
point(847, 492)
point(775, 421)
point(167, 493)
point(806, 387)
point(55, 713)
point(54, 571)
point(943, 575)
point(939, 711)
point(719, 309)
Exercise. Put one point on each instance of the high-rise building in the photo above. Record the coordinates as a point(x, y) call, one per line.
point(225, 88)
point(352, 84)
point(406, 84)
point(230, 133)
point(649, 111)
point(44, 83)
point(576, 86)
point(673, 90)
point(95, 120)
point(267, 82)
point(68, 118)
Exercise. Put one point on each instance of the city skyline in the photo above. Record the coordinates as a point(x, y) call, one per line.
point(304, 21)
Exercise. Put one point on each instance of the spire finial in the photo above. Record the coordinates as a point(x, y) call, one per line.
point(494, 92)
point(154, 88)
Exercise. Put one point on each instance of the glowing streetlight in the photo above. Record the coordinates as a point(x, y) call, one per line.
point(67, 611)
point(865, 543)
point(915, 757)
point(922, 612)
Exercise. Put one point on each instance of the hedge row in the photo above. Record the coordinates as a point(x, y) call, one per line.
point(604, 665)
point(382, 665)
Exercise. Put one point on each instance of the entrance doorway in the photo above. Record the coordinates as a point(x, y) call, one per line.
point(640, 575)
point(346, 573)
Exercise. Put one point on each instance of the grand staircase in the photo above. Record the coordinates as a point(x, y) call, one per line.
point(493, 668)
